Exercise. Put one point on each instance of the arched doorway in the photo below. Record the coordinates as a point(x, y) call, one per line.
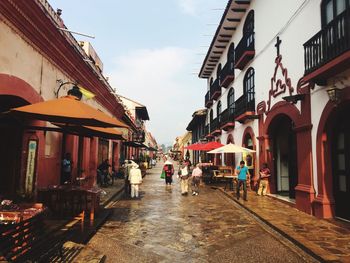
point(284, 156)
point(248, 158)
point(339, 134)
point(230, 158)
point(11, 139)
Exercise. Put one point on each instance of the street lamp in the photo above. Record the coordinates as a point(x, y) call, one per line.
point(334, 94)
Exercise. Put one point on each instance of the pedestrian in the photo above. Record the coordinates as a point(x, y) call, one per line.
point(102, 171)
point(196, 179)
point(66, 169)
point(243, 175)
point(127, 166)
point(264, 179)
point(168, 168)
point(184, 176)
point(135, 178)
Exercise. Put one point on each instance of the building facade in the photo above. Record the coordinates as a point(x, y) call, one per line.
point(278, 83)
point(39, 62)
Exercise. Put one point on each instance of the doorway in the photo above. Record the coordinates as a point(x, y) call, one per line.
point(284, 156)
point(341, 164)
point(11, 139)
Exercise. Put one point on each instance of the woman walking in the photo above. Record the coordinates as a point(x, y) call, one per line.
point(168, 169)
point(184, 176)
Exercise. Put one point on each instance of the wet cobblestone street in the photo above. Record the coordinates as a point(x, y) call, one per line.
point(164, 226)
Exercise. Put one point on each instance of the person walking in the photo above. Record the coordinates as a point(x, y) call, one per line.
point(168, 168)
point(196, 179)
point(135, 178)
point(66, 169)
point(264, 179)
point(102, 171)
point(243, 175)
point(184, 176)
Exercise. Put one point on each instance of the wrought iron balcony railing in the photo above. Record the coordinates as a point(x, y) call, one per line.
point(329, 43)
point(214, 125)
point(215, 90)
point(245, 50)
point(228, 115)
point(208, 100)
point(227, 74)
point(245, 103)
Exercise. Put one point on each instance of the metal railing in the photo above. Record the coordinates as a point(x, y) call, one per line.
point(247, 43)
point(214, 88)
point(329, 43)
point(245, 103)
point(214, 125)
point(207, 98)
point(228, 115)
point(227, 71)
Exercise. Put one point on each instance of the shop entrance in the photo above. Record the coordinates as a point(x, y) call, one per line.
point(11, 137)
point(341, 164)
point(284, 156)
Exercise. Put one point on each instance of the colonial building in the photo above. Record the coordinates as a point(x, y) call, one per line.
point(138, 114)
point(198, 129)
point(39, 61)
point(278, 82)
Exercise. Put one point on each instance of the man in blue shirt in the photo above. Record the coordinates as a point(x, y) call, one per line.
point(243, 174)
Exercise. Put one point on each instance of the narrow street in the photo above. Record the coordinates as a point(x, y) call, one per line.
point(164, 226)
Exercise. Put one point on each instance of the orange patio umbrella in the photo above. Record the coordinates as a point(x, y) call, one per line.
point(67, 110)
point(107, 133)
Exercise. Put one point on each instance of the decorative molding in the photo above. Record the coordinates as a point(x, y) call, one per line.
point(279, 86)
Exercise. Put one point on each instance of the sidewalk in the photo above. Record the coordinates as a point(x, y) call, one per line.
point(111, 191)
point(327, 240)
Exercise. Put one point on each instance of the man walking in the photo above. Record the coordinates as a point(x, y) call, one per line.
point(135, 179)
point(243, 175)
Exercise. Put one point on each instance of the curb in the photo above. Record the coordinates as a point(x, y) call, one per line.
point(284, 234)
point(118, 192)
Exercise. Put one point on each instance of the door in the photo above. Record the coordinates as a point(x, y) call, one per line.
point(285, 157)
point(341, 168)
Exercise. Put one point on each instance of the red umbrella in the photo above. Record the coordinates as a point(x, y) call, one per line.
point(194, 147)
point(211, 146)
point(204, 147)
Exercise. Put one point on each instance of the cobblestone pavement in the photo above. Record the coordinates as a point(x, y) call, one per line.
point(329, 239)
point(164, 226)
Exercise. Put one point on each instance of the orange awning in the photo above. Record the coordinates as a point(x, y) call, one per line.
point(67, 110)
point(107, 133)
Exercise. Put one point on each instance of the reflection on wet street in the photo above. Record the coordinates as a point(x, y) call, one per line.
point(164, 226)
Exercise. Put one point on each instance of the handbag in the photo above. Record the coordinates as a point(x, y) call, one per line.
point(162, 175)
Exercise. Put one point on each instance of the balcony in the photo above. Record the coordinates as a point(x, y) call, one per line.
point(215, 90)
point(215, 126)
point(245, 108)
point(245, 51)
point(205, 132)
point(138, 136)
point(227, 74)
point(208, 100)
point(227, 119)
point(328, 52)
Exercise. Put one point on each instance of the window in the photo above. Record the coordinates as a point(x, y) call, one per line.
point(218, 109)
point(218, 71)
point(330, 9)
point(231, 53)
point(249, 85)
point(248, 28)
point(231, 100)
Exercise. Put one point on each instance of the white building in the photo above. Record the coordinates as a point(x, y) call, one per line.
point(272, 68)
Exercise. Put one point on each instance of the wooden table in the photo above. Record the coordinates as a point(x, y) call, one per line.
point(67, 200)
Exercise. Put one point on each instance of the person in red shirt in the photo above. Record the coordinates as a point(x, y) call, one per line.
point(264, 179)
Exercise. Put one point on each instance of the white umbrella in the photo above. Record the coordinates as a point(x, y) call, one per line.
point(231, 148)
